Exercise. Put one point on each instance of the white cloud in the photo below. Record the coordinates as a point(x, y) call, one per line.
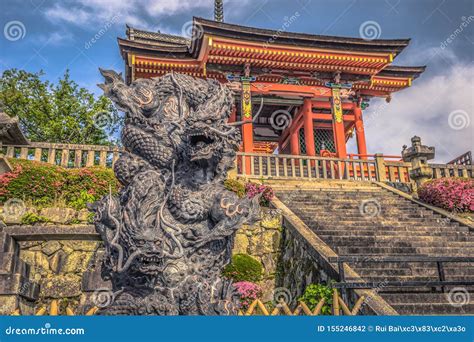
point(84, 12)
point(55, 38)
point(424, 110)
point(144, 14)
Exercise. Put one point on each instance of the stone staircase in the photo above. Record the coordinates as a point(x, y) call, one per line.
point(364, 219)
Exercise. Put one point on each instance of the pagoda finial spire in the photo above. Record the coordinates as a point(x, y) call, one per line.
point(219, 10)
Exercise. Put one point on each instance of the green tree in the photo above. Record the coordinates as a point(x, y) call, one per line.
point(61, 112)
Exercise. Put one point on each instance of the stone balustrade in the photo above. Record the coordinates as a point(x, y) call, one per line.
point(65, 155)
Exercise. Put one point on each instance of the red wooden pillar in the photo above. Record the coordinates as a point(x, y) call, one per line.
point(247, 127)
point(340, 139)
point(338, 124)
point(247, 143)
point(308, 127)
point(294, 142)
point(360, 132)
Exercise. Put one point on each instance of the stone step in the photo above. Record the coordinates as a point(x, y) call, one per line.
point(393, 242)
point(357, 205)
point(382, 228)
point(422, 298)
point(344, 200)
point(345, 185)
point(357, 210)
point(462, 237)
point(345, 204)
point(433, 309)
point(352, 216)
point(429, 251)
point(408, 278)
point(450, 273)
point(400, 228)
point(394, 233)
point(377, 219)
point(409, 265)
point(435, 218)
point(310, 195)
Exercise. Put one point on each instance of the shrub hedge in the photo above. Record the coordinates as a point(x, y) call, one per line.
point(314, 293)
point(455, 194)
point(43, 185)
point(244, 268)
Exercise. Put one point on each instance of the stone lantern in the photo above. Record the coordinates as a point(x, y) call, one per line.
point(10, 134)
point(419, 155)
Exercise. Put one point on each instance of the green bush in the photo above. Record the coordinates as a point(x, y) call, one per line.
point(244, 268)
point(44, 185)
point(314, 293)
point(236, 186)
point(32, 218)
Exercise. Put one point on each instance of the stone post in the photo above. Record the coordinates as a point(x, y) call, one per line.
point(419, 155)
point(16, 289)
point(380, 166)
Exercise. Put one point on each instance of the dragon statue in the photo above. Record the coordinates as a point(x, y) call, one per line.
point(170, 230)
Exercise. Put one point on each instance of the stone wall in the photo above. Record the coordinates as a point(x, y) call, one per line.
point(58, 267)
point(53, 215)
point(298, 267)
point(63, 264)
point(262, 241)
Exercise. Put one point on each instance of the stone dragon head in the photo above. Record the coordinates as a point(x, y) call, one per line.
point(171, 227)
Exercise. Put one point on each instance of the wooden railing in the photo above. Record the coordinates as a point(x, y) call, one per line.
point(282, 166)
point(66, 155)
point(338, 307)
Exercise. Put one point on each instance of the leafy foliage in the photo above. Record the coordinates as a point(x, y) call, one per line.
point(235, 185)
point(456, 194)
point(60, 113)
point(44, 184)
point(32, 218)
point(314, 293)
point(244, 268)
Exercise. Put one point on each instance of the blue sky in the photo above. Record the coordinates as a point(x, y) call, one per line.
point(56, 35)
